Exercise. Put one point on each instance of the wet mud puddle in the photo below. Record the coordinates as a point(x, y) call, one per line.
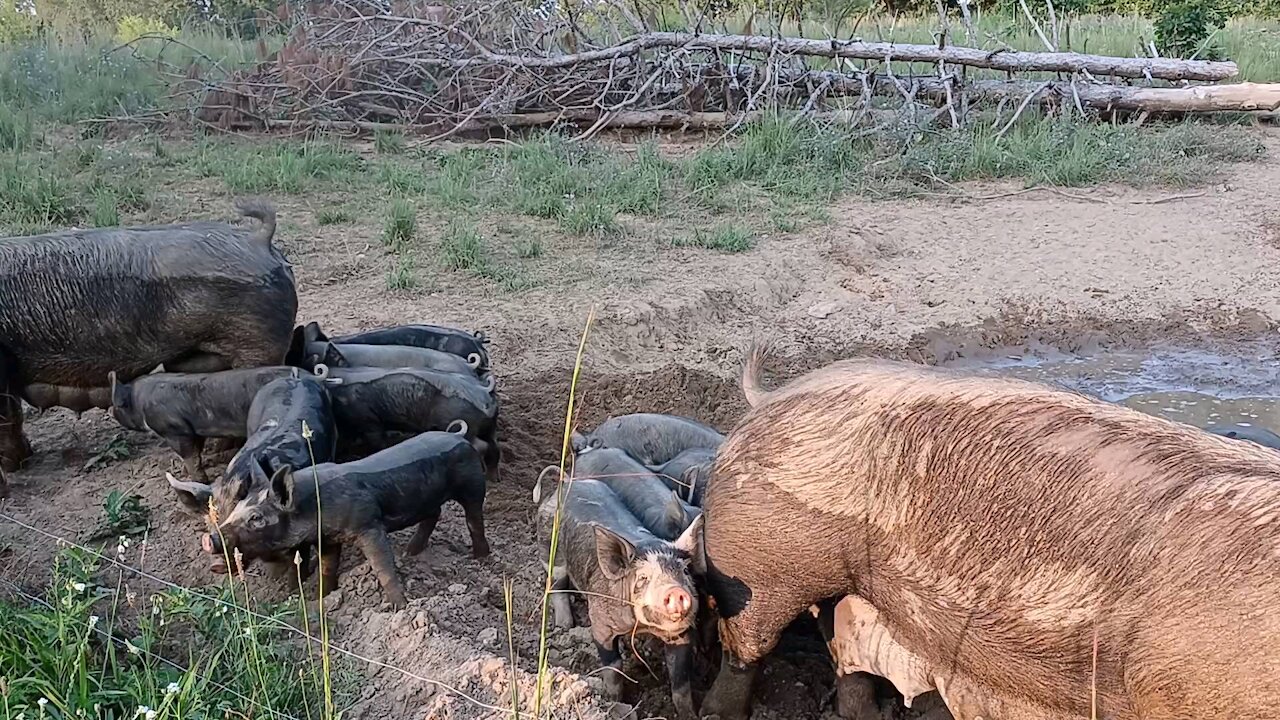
point(1236, 385)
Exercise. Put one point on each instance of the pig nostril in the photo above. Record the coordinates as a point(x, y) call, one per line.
point(677, 602)
point(206, 542)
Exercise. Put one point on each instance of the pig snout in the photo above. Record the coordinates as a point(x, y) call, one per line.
point(676, 602)
point(211, 544)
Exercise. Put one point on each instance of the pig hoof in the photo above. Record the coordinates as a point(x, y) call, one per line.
point(480, 552)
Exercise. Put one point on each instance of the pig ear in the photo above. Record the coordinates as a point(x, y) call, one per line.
point(282, 487)
point(614, 553)
point(311, 332)
point(673, 509)
point(690, 541)
point(334, 357)
point(192, 494)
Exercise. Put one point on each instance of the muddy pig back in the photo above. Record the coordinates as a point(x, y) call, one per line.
point(651, 438)
point(392, 357)
point(129, 299)
point(687, 473)
point(649, 499)
point(290, 424)
point(434, 337)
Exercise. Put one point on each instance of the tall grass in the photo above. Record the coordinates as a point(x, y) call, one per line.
point(554, 541)
point(72, 653)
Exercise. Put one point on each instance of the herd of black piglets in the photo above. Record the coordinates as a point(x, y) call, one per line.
point(358, 436)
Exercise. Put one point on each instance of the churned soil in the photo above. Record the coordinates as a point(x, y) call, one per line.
point(931, 279)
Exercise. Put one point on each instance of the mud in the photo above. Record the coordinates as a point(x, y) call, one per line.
point(1176, 318)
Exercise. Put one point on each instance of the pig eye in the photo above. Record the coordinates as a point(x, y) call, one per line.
point(256, 521)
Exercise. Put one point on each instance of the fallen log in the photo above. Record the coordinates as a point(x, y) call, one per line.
point(1240, 97)
point(1008, 61)
point(1004, 60)
point(630, 120)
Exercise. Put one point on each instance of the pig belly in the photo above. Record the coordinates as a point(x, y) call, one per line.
point(44, 396)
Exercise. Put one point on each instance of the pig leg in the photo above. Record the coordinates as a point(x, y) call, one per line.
point(189, 448)
point(610, 665)
point(491, 454)
point(856, 697)
point(856, 691)
point(730, 694)
point(423, 535)
point(473, 508)
point(680, 669)
point(14, 448)
point(561, 609)
point(377, 548)
point(330, 560)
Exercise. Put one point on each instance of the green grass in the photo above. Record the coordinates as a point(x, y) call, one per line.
point(388, 142)
point(725, 238)
point(462, 248)
point(402, 179)
point(400, 226)
point(333, 216)
point(58, 658)
point(290, 168)
point(529, 248)
point(402, 275)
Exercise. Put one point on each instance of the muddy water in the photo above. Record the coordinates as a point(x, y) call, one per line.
point(1222, 387)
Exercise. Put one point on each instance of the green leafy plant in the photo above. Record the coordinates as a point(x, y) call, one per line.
point(1185, 28)
point(116, 449)
point(122, 516)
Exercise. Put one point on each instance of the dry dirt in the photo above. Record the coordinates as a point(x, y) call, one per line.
point(930, 279)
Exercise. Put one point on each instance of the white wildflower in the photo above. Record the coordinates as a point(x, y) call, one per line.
point(79, 587)
point(172, 689)
point(93, 621)
point(133, 649)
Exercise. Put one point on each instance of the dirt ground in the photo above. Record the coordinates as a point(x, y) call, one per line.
point(930, 279)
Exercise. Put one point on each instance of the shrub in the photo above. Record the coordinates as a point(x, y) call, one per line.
point(1183, 29)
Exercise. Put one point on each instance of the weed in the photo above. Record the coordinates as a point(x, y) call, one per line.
point(287, 168)
point(592, 218)
point(401, 179)
point(462, 248)
point(401, 275)
point(122, 516)
point(106, 210)
point(725, 238)
point(66, 656)
point(330, 215)
point(388, 142)
point(32, 195)
point(528, 248)
point(15, 129)
point(116, 449)
point(456, 179)
point(401, 225)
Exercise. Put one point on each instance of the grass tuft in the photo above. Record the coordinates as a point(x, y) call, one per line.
point(402, 274)
point(388, 142)
point(462, 248)
point(333, 216)
point(725, 238)
point(401, 225)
